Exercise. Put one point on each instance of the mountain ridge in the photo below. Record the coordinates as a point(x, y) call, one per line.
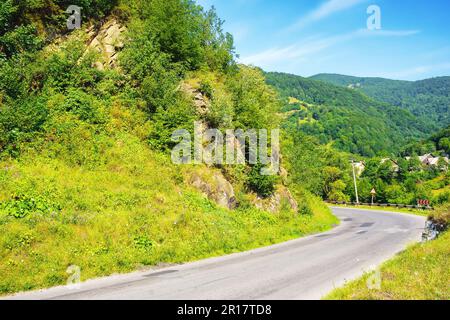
point(378, 127)
point(428, 99)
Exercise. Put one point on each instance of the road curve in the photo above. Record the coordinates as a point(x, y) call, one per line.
point(306, 268)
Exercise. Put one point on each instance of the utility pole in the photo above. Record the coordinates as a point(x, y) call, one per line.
point(354, 180)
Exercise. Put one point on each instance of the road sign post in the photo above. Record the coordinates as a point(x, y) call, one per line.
point(373, 193)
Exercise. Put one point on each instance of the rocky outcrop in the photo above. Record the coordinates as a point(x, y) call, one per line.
point(216, 188)
point(108, 41)
point(274, 203)
point(202, 104)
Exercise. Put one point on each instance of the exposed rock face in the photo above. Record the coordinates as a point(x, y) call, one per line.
point(275, 202)
point(108, 42)
point(201, 103)
point(216, 188)
point(284, 175)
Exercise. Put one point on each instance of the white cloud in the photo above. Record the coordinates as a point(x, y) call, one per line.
point(414, 72)
point(388, 33)
point(312, 46)
point(240, 31)
point(326, 9)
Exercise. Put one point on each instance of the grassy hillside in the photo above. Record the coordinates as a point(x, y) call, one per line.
point(376, 128)
point(427, 99)
point(134, 210)
point(86, 119)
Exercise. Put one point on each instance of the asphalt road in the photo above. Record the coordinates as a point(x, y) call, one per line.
point(306, 268)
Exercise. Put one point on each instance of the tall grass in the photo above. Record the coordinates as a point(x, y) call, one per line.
point(131, 210)
point(422, 272)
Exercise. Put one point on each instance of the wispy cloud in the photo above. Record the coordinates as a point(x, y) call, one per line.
point(314, 45)
point(324, 10)
point(387, 33)
point(416, 71)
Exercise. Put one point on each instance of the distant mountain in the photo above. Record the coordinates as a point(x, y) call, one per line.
point(350, 119)
point(428, 99)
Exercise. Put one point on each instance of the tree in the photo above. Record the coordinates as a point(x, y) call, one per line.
point(336, 192)
point(442, 164)
point(385, 171)
point(395, 194)
point(415, 164)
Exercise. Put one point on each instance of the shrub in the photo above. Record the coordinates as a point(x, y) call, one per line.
point(305, 209)
point(21, 39)
point(7, 11)
point(20, 123)
point(22, 205)
point(261, 184)
point(82, 105)
point(143, 242)
point(441, 216)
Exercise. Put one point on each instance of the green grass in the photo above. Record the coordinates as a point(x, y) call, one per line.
point(131, 210)
point(422, 272)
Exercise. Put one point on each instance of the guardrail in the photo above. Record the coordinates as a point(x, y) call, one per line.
point(381, 205)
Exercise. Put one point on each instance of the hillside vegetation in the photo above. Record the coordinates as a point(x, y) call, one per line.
point(86, 177)
point(328, 126)
point(325, 111)
point(427, 99)
point(438, 143)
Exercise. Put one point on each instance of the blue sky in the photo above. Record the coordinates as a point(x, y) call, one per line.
point(307, 37)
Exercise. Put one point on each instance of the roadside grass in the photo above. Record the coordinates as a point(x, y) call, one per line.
point(421, 272)
point(131, 211)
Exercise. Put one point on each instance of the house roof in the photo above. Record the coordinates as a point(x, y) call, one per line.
point(433, 161)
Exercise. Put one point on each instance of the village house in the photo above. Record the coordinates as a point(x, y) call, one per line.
point(394, 164)
point(430, 160)
point(425, 158)
point(359, 167)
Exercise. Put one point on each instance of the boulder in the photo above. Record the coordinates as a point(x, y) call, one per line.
point(274, 203)
point(107, 42)
point(216, 188)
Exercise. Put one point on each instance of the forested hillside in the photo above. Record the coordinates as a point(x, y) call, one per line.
point(354, 122)
point(438, 143)
point(86, 124)
point(428, 99)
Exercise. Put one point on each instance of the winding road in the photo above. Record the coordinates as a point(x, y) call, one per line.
point(306, 268)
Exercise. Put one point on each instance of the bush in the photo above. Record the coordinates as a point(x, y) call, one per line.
point(19, 40)
point(305, 209)
point(83, 106)
point(442, 198)
point(20, 122)
point(262, 185)
point(7, 11)
point(441, 216)
point(22, 205)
